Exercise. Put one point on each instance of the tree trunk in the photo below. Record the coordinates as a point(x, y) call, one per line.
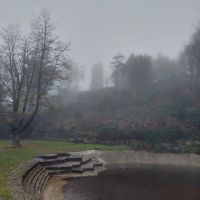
point(16, 140)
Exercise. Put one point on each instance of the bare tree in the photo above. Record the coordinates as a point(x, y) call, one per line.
point(31, 66)
point(1, 91)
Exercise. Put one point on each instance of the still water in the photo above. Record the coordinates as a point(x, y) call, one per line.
point(138, 182)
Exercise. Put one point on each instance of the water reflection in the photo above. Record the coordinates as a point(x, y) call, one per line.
point(138, 182)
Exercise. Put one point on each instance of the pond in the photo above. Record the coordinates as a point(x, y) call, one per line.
point(137, 182)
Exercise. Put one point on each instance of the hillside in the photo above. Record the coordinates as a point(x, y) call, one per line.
point(117, 117)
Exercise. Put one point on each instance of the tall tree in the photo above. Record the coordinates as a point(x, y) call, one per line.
point(166, 72)
point(97, 76)
point(31, 66)
point(117, 65)
point(139, 72)
point(192, 56)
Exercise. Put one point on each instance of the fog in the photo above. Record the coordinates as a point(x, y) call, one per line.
point(98, 29)
point(111, 72)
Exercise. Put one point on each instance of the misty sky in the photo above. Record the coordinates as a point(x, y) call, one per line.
point(98, 29)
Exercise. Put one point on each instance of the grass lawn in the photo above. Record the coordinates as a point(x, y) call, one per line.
point(12, 157)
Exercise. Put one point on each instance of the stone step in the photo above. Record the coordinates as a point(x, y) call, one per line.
point(66, 165)
point(28, 174)
point(86, 159)
point(41, 179)
point(60, 160)
point(48, 156)
point(33, 180)
point(88, 167)
point(44, 183)
point(98, 164)
point(65, 171)
point(52, 161)
point(30, 166)
point(59, 171)
point(38, 176)
point(30, 177)
point(40, 182)
point(74, 158)
point(41, 188)
point(77, 170)
point(68, 168)
point(63, 154)
point(53, 156)
point(91, 165)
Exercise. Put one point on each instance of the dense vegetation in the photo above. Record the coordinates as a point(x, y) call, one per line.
point(124, 120)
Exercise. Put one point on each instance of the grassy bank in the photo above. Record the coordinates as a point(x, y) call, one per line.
point(11, 157)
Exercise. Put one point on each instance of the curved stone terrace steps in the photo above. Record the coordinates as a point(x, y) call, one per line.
point(63, 165)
